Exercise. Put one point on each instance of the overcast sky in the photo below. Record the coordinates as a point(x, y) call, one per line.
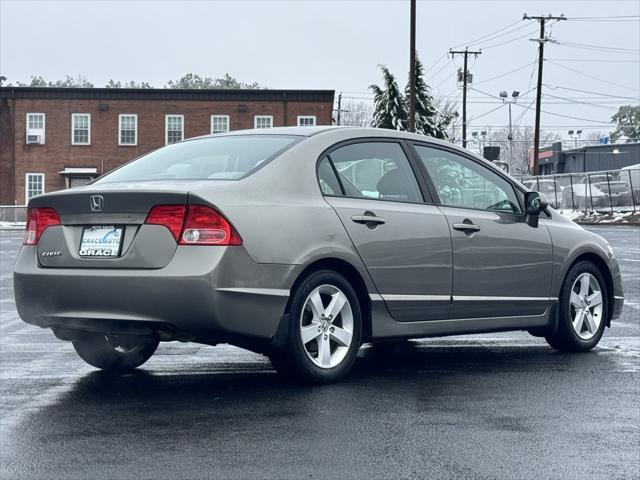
point(338, 45)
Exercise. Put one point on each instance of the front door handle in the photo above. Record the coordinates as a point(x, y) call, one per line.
point(466, 227)
point(369, 219)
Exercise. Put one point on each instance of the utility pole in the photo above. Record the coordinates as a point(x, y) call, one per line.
point(541, 41)
point(465, 77)
point(339, 110)
point(412, 68)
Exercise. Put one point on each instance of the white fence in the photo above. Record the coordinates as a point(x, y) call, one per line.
point(13, 216)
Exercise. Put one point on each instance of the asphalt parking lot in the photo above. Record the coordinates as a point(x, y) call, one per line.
point(496, 405)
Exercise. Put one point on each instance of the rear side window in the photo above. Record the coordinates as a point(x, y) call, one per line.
point(327, 178)
point(378, 170)
point(216, 158)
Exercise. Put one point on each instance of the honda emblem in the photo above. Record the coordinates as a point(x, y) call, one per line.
point(96, 202)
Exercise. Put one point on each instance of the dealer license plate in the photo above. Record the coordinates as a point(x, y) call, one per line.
point(101, 241)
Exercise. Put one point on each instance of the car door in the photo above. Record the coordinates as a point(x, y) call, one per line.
point(501, 265)
point(404, 242)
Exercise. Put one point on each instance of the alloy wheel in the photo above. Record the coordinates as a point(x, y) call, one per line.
point(586, 306)
point(326, 326)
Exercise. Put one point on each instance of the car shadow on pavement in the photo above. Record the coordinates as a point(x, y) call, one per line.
point(238, 418)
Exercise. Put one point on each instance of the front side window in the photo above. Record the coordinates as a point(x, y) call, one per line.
point(210, 158)
point(461, 182)
point(263, 121)
point(35, 128)
point(34, 185)
point(128, 129)
point(376, 170)
point(174, 129)
point(80, 129)
point(219, 123)
point(306, 120)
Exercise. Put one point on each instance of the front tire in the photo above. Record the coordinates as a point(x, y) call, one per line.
point(115, 353)
point(324, 330)
point(583, 310)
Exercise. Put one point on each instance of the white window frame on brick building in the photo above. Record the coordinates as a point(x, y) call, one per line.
point(263, 121)
point(75, 117)
point(306, 120)
point(167, 120)
point(127, 123)
point(219, 123)
point(33, 180)
point(35, 124)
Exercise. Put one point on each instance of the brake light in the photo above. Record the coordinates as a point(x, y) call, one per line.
point(38, 219)
point(205, 226)
point(171, 216)
point(194, 224)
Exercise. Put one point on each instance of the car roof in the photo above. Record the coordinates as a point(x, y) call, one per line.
point(320, 129)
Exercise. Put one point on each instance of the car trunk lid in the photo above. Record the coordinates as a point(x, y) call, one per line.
point(121, 208)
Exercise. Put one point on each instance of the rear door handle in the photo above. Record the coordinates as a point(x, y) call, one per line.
point(368, 219)
point(466, 227)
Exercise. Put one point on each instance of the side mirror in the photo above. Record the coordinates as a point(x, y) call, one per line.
point(533, 205)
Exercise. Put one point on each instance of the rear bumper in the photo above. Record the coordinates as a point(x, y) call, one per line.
point(204, 292)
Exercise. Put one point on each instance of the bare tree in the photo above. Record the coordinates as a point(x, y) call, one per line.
point(449, 117)
point(356, 113)
point(518, 157)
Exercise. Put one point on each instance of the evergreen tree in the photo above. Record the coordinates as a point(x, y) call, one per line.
point(390, 110)
point(428, 120)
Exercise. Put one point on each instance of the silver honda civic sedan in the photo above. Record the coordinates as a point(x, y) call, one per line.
point(303, 243)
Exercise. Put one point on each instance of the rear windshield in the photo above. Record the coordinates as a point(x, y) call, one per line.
point(215, 158)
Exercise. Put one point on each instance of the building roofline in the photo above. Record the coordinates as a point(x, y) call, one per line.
point(237, 95)
point(601, 146)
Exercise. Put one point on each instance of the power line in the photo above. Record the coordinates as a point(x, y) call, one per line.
point(582, 103)
point(505, 73)
point(590, 92)
point(508, 41)
point(592, 76)
point(613, 17)
point(431, 77)
point(595, 60)
point(436, 63)
point(572, 117)
point(487, 113)
point(475, 40)
point(601, 48)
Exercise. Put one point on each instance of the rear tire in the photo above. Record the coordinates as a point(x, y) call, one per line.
point(324, 330)
point(115, 353)
point(584, 310)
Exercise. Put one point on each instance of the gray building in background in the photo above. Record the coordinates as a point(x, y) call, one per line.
point(553, 160)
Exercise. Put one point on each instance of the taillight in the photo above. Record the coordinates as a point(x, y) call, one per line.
point(205, 226)
point(171, 216)
point(38, 219)
point(194, 224)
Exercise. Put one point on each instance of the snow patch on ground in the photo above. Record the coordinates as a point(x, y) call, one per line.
point(12, 225)
point(602, 218)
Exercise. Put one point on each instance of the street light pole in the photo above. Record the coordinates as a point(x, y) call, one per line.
point(514, 98)
point(510, 138)
point(412, 69)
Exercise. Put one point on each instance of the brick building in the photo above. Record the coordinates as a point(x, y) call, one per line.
point(54, 138)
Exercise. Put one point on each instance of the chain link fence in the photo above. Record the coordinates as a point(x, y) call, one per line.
point(13, 216)
point(606, 191)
